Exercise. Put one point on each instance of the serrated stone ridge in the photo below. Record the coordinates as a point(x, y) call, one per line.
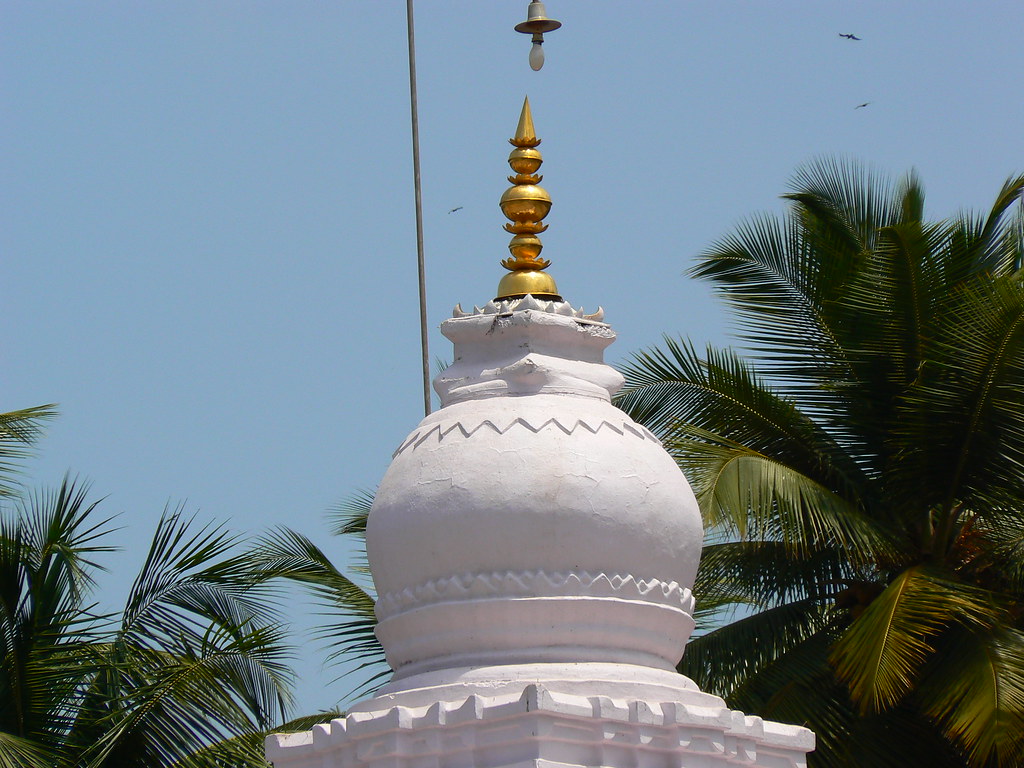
point(530, 302)
point(470, 586)
point(456, 429)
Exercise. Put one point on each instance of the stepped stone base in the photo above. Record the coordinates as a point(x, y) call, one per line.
point(498, 718)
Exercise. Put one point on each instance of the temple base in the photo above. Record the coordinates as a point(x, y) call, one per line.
point(546, 715)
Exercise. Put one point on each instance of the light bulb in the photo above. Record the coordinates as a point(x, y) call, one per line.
point(536, 55)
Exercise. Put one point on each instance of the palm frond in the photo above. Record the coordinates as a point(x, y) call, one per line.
point(872, 462)
point(246, 750)
point(173, 703)
point(191, 579)
point(677, 394)
point(759, 498)
point(988, 245)
point(286, 554)
point(62, 534)
point(882, 654)
point(197, 656)
point(723, 660)
point(19, 752)
point(780, 293)
point(768, 573)
point(992, 551)
point(46, 569)
point(892, 301)
point(975, 690)
point(349, 516)
point(19, 430)
point(963, 422)
point(849, 201)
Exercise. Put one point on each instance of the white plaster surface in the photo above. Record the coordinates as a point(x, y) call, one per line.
point(529, 519)
point(533, 549)
point(546, 715)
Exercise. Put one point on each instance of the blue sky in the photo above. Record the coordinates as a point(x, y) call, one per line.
point(207, 220)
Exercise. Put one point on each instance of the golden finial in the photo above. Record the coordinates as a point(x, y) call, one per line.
point(526, 204)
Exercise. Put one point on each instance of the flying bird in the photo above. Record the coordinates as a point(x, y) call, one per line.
point(862, 105)
point(453, 210)
point(849, 37)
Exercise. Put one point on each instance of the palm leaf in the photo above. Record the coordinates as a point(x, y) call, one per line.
point(286, 554)
point(849, 201)
point(872, 461)
point(992, 551)
point(173, 703)
point(19, 430)
point(760, 498)
point(779, 289)
point(197, 656)
point(247, 750)
point(18, 752)
point(46, 564)
point(963, 422)
point(764, 573)
point(348, 518)
point(723, 660)
point(975, 690)
point(988, 245)
point(720, 394)
point(191, 580)
point(882, 654)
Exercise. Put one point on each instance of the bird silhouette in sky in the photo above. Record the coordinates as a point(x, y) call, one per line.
point(862, 105)
point(453, 210)
point(849, 37)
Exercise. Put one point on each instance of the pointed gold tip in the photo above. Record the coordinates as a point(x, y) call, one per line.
point(525, 131)
point(525, 204)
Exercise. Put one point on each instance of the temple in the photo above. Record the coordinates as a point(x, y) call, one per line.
point(533, 550)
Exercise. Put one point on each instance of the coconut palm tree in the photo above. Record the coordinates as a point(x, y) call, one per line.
point(861, 472)
point(195, 657)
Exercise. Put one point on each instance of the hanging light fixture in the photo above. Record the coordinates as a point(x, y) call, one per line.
point(536, 24)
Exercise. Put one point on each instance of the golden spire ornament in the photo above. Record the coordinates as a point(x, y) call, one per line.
point(525, 204)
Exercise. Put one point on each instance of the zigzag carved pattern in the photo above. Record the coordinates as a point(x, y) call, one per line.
point(468, 586)
point(418, 438)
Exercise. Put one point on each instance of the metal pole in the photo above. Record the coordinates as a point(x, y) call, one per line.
point(419, 208)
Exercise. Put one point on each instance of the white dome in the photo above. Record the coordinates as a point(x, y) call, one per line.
point(529, 519)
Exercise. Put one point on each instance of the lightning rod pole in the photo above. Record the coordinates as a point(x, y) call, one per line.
point(419, 208)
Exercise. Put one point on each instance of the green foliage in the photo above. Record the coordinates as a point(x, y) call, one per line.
point(861, 473)
point(348, 631)
point(192, 672)
point(18, 431)
point(195, 658)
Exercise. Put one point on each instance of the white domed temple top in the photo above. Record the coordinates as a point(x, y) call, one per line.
point(529, 519)
point(533, 550)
